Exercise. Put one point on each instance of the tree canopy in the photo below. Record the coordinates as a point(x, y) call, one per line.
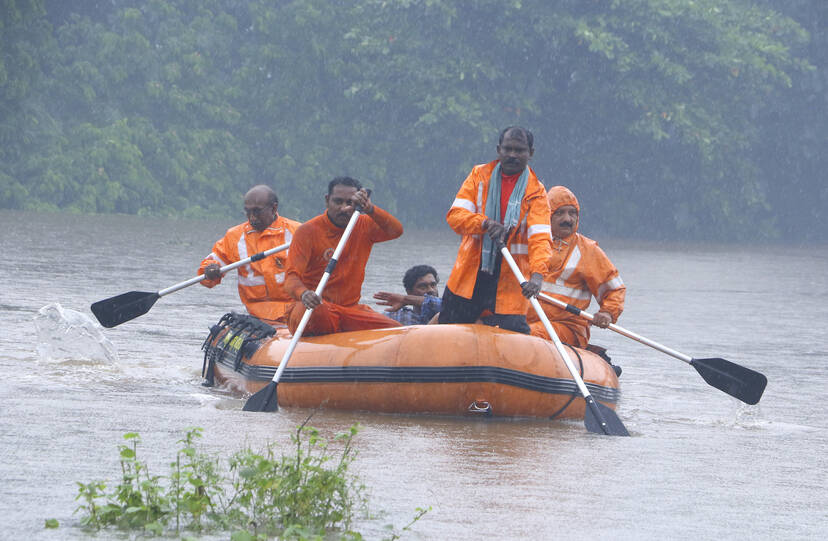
point(668, 118)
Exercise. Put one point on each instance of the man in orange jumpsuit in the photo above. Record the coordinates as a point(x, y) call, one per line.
point(579, 271)
point(499, 202)
point(313, 246)
point(261, 283)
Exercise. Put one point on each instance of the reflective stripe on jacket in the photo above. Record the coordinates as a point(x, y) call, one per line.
point(528, 243)
point(260, 282)
point(583, 271)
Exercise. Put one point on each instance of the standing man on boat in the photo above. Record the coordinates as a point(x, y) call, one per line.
point(499, 202)
point(313, 246)
point(421, 301)
point(261, 283)
point(579, 271)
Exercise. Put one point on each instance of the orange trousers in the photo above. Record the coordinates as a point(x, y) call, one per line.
point(329, 318)
point(566, 333)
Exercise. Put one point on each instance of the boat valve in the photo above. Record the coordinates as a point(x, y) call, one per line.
point(481, 406)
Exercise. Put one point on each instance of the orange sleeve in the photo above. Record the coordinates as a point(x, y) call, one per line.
point(301, 248)
point(538, 230)
point(222, 255)
point(464, 217)
point(605, 282)
point(387, 227)
point(614, 302)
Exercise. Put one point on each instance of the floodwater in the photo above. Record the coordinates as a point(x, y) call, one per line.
point(699, 464)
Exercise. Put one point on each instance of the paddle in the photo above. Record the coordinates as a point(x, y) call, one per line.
point(266, 399)
point(121, 308)
point(739, 382)
point(597, 417)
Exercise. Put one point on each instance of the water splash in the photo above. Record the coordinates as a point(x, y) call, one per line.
point(64, 334)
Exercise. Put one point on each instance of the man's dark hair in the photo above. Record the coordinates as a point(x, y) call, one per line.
point(415, 273)
point(345, 181)
point(520, 133)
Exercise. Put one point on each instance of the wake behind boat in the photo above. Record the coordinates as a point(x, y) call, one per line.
point(422, 369)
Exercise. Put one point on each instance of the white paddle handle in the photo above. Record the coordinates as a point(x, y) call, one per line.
point(620, 330)
point(225, 269)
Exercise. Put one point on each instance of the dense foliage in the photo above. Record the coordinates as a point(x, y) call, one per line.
point(669, 118)
point(307, 494)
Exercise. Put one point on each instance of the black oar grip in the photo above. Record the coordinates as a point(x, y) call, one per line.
point(573, 310)
point(256, 257)
point(331, 266)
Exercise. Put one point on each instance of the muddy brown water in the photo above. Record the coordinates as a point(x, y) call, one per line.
point(699, 464)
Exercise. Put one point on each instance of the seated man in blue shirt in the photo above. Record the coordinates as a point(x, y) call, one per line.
point(420, 303)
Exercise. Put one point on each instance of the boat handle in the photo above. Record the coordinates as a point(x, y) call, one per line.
point(480, 406)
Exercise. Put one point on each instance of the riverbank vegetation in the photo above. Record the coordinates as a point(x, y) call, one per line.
point(669, 118)
point(307, 494)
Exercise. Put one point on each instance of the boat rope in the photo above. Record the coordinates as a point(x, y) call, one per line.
point(241, 338)
point(576, 392)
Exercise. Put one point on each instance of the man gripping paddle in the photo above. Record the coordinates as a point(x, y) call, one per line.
point(579, 271)
point(499, 202)
point(313, 246)
point(261, 283)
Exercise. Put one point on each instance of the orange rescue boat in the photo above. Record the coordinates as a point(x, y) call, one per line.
point(424, 369)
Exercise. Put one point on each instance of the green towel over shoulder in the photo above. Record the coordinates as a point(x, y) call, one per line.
point(510, 220)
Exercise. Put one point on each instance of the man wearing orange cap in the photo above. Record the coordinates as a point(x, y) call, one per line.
point(579, 270)
point(261, 283)
point(500, 203)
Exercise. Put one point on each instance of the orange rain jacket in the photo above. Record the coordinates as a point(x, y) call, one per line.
point(313, 246)
point(579, 271)
point(528, 243)
point(261, 283)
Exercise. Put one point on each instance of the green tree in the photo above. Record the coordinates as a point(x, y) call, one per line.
point(658, 113)
point(24, 37)
point(642, 107)
point(793, 133)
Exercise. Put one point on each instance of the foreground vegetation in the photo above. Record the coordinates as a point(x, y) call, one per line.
point(669, 118)
point(308, 494)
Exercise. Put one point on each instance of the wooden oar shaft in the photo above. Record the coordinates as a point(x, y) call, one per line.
point(224, 270)
point(620, 330)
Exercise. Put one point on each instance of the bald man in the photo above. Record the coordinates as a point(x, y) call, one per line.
point(261, 283)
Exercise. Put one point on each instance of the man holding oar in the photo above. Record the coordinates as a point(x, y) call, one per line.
point(501, 202)
point(578, 271)
point(313, 246)
point(261, 283)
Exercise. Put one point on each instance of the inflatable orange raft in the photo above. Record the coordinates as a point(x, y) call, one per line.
point(429, 369)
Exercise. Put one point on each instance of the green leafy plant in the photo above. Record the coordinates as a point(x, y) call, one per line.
point(196, 489)
point(306, 494)
point(136, 502)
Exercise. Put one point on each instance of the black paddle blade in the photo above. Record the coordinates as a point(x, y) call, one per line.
point(739, 382)
point(599, 419)
point(121, 308)
point(264, 400)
